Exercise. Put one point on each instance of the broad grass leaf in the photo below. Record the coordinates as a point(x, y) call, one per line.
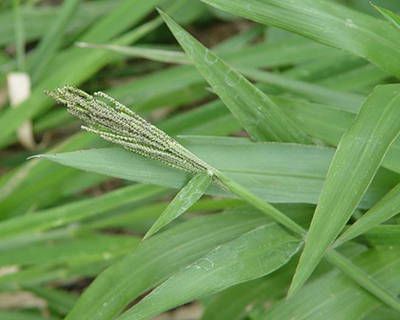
point(255, 111)
point(359, 154)
point(275, 172)
point(334, 296)
point(156, 260)
point(326, 22)
point(250, 256)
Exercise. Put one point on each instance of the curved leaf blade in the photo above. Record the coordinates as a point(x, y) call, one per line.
point(258, 114)
point(252, 255)
point(157, 259)
point(326, 22)
point(276, 172)
point(185, 198)
point(382, 211)
point(357, 159)
point(333, 296)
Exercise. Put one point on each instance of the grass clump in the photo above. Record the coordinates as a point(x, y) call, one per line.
point(265, 184)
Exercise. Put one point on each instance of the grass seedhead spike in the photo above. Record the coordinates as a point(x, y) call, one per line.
point(114, 122)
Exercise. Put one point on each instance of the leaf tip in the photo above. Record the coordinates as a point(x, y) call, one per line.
point(293, 289)
point(160, 12)
point(167, 19)
point(150, 232)
point(146, 236)
point(303, 272)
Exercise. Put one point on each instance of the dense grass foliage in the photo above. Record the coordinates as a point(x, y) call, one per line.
point(240, 159)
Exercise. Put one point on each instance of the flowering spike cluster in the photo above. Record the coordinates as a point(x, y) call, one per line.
point(116, 123)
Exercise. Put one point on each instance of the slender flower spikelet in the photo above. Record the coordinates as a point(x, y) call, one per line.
point(116, 123)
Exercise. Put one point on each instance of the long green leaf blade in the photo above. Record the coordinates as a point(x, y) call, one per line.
point(261, 117)
point(185, 198)
point(273, 171)
point(253, 255)
point(326, 22)
point(363, 279)
point(333, 296)
point(157, 259)
point(356, 161)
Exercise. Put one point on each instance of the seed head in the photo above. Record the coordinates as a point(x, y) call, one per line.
point(118, 124)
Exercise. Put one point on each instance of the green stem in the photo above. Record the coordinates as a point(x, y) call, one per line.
point(260, 204)
point(362, 278)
